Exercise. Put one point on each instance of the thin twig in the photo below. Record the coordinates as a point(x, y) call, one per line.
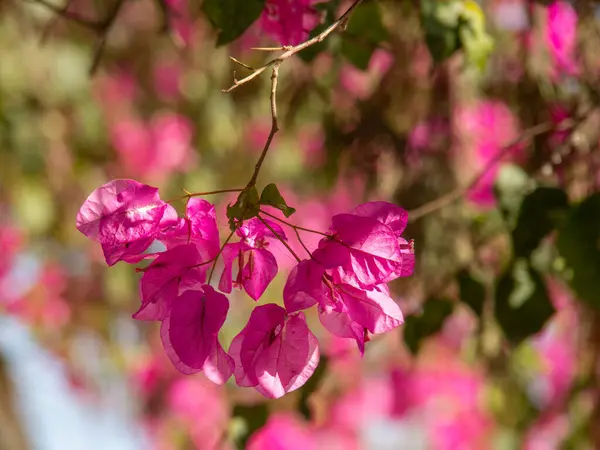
point(245, 66)
point(291, 225)
point(212, 270)
point(104, 30)
point(189, 195)
point(460, 191)
point(340, 23)
point(274, 126)
point(265, 223)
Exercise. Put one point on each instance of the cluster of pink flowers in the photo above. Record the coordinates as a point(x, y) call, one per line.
point(276, 352)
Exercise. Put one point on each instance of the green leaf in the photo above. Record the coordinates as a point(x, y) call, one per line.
point(272, 197)
point(511, 186)
point(475, 41)
point(232, 17)
point(440, 21)
point(246, 207)
point(363, 34)
point(310, 387)
point(579, 244)
point(429, 322)
point(472, 292)
point(254, 418)
point(539, 214)
point(522, 304)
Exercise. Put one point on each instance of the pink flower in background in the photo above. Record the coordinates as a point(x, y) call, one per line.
point(312, 140)
point(361, 84)
point(167, 80)
point(11, 240)
point(288, 21)
point(561, 37)
point(282, 431)
point(156, 149)
point(447, 395)
point(484, 130)
point(557, 348)
point(547, 433)
point(202, 409)
point(44, 306)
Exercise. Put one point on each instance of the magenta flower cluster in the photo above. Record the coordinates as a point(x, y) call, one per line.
point(276, 352)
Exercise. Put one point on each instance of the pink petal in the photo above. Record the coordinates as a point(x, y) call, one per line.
point(245, 347)
point(389, 214)
point(219, 366)
point(121, 211)
point(340, 324)
point(374, 310)
point(304, 286)
point(130, 252)
point(258, 272)
point(170, 274)
point(194, 323)
point(229, 253)
point(170, 352)
point(254, 230)
point(289, 360)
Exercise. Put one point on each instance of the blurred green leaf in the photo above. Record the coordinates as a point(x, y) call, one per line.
point(429, 322)
point(472, 292)
point(522, 304)
point(232, 17)
point(440, 22)
point(539, 214)
point(254, 417)
point(453, 25)
point(362, 36)
point(579, 244)
point(330, 11)
point(272, 197)
point(311, 386)
point(476, 42)
point(511, 186)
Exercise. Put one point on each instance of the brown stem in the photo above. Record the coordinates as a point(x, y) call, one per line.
point(291, 51)
point(281, 239)
point(212, 270)
point(274, 126)
point(460, 191)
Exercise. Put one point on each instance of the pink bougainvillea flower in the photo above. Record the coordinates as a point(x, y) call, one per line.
point(154, 149)
point(124, 216)
point(202, 409)
point(484, 130)
point(121, 211)
point(256, 265)
point(366, 247)
point(282, 431)
point(561, 37)
point(170, 274)
point(190, 334)
point(361, 84)
point(287, 20)
point(275, 352)
point(199, 226)
point(344, 310)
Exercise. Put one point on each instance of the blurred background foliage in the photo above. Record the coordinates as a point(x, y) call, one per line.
point(479, 117)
